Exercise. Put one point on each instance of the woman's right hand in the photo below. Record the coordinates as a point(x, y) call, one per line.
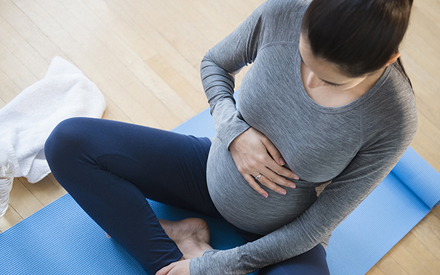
point(258, 159)
point(181, 267)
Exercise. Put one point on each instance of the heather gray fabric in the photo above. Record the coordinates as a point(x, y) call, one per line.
point(355, 146)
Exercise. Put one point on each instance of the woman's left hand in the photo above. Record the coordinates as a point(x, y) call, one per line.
point(176, 268)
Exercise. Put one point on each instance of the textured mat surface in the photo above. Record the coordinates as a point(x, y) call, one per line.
point(62, 239)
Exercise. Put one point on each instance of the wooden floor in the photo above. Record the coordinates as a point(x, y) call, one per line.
point(144, 55)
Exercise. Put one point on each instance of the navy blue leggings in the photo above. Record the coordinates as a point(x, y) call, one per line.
point(110, 167)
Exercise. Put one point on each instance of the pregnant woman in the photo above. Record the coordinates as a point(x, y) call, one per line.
point(325, 106)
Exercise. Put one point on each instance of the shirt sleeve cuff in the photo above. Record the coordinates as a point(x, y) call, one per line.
point(228, 134)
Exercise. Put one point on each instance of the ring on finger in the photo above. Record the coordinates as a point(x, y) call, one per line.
point(258, 176)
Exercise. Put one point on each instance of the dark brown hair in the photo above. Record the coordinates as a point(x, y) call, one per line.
point(359, 36)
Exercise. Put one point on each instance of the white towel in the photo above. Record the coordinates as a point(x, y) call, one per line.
point(27, 121)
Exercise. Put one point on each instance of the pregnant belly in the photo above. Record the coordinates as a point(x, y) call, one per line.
point(243, 206)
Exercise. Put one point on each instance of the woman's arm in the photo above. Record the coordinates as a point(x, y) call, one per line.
point(253, 153)
point(217, 72)
point(334, 204)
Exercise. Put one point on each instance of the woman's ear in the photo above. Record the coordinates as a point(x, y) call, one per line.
point(392, 59)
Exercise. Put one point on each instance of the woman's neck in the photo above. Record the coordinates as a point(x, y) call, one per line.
point(329, 96)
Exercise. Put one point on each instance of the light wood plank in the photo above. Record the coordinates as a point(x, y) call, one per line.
point(433, 223)
point(192, 97)
point(424, 233)
point(10, 219)
point(128, 104)
point(436, 211)
point(22, 200)
point(8, 89)
point(118, 53)
point(20, 48)
point(153, 40)
point(29, 30)
point(389, 266)
point(430, 9)
point(2, 103)
point(425, 88)
point(113, 112)
point(375, 271)
point(184, 40)
point(427, 138)
point(55, 182)
point(45, 192)
point(407, 261)
point(421, 252)
point(162, 114)
point(229, 12)
point(13, 68)
point(225, 26)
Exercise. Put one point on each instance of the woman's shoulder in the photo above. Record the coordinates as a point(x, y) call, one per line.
point(396, 91)
point(283, 9)
point(285, 5)
point(391, 111)
point(281, 20)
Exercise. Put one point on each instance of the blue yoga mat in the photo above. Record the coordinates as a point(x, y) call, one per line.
point(62, 239)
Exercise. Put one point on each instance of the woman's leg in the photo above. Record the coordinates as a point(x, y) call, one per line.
point(110, 167)
point(312, 262)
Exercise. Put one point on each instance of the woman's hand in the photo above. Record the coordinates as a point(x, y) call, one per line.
point(177, 268)
point(258, 159)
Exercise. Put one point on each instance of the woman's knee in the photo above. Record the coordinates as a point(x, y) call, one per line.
point(312, 262)
point(65, 140)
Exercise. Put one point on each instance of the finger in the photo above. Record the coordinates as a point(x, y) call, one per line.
point(165, 270)
point(276, 179)
point(271, 185)
point(276, 156)
point(252, 183)
point(108, 236)
point(280, 170)
point(273, 151)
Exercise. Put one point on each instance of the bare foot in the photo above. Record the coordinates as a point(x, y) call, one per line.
point(191, 236)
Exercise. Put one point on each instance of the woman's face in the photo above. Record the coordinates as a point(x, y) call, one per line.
point(319, 72)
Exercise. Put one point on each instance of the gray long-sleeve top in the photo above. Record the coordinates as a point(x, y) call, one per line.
point(354, 146)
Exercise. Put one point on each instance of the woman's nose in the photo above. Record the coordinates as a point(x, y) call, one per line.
point(313, 81)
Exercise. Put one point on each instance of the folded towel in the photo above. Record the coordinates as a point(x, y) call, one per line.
point(27, 121)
